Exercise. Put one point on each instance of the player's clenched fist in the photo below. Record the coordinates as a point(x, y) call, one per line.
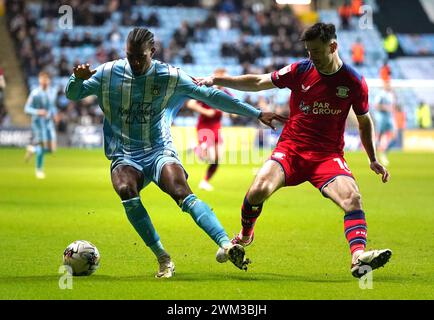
point(83, 71)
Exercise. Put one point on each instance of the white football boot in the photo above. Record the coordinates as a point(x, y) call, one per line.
point(40, 174)
point(166, 269)
point(204, 185)
point(370, 260)
point(234, 253)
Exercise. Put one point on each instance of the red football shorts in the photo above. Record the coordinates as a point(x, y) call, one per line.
point(318, 172)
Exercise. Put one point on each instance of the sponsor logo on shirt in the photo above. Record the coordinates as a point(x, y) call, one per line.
point(304, 108)
point(304, 89)
point(322, 108)
point(137, 113)
point(279, 155)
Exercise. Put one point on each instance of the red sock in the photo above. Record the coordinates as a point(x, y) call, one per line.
point(355, 230)
point(249, 214)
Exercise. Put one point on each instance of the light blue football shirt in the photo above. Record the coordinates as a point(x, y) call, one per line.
point(40, 99)
point(139, 110)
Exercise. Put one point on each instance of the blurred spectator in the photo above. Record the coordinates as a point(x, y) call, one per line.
point(345, 12)
point(355, 7)
point(228, 50)
point(64, 68)
point(385, 72)
point(390, 43)
point(101, 55)
point(159, 51)
point(153, 20)
point(423, 116)
point(358, 52)
point(228, 6)
point(141, 21)
point(183, 35)
point(127, 20)
point(187, 58)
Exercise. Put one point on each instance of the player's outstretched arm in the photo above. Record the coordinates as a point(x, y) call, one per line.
point(83, 82)
point(367, 136)
point(196, 107)
point(224, 102)
point(248, 82)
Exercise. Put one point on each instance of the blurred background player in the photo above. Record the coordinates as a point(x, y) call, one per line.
point(310, 148)
point(41, 107)
point(385, 103)
point(140, 97)
point(208, 135)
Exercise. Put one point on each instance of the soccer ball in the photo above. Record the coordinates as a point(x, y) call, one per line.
point(82, 258)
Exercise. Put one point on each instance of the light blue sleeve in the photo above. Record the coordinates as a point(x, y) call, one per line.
point(29, 108)
point(52, 109)
point(77, 88)
point(214, 98)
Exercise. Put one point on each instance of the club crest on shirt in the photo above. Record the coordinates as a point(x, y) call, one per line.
point(155, 90)
point(342, 92)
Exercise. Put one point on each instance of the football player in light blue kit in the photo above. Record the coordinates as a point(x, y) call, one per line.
point(385, 103)
point(140, 97)
point(41, 107)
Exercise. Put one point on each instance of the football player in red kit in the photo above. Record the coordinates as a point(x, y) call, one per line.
point(310, 148)
point(208, 134)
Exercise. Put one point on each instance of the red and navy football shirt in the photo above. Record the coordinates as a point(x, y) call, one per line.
point(319, 105)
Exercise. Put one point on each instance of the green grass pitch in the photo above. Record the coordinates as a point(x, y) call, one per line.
point(299, 252)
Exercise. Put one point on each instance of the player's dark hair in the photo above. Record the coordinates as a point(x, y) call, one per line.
point(140, 36)
point(323, 31)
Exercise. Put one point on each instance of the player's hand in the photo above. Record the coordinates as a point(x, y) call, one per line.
point(209, 113)
point(208, 81)
point(83, 71)
point(378, 168)
point(42, 113)
point(268, 117)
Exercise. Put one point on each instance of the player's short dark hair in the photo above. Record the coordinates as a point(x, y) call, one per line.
point(323, 31)
point(140, 36)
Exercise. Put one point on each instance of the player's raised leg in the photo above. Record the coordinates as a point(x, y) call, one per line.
point(174, 183)
point(344, 191)
point(127, 182)
point(269, 179)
